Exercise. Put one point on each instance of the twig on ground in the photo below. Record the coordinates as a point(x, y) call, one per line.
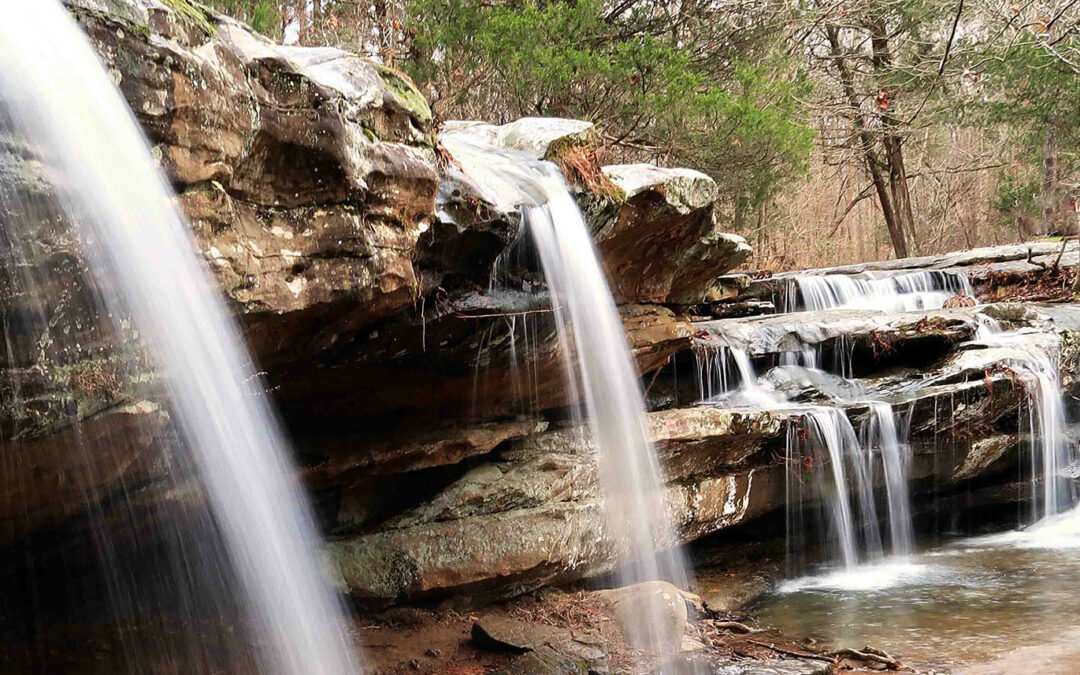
point(1032, 261)
point(868, 654)
point(735, 627)
point(788, 652)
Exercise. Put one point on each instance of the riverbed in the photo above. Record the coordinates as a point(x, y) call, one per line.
point(998, 604)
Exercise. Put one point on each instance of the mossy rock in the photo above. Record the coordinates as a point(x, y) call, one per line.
point(405, 92)
point(193, 14)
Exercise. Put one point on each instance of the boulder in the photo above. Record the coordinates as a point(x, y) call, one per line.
point(308, 174)
point(548, 650)
point(654, 227)
point(660, 242)
point(652, 615)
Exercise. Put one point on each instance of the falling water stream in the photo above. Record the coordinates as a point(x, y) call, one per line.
point(58, 95)
point(1051, 451)
point(598, 361)
point(824, 437)
point(898, 293)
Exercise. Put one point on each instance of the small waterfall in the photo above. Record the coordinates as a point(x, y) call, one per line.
point(61, 99)
point(880, 431)
point(824, 450)
point(714, 375)
point(830, 429)
point(898, 293)
point(598, 361)
point(1052, 453)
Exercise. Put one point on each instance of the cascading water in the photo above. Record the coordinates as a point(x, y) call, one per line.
point(59, 97)
point(899, 293)
point(880, 430)
point(714, 374)
point(824, 436)
point(1052, 453)
point(597, 358)
point(832, 431)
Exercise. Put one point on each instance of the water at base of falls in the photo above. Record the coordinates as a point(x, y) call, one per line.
point(598, 364)
point(144, 263)
point(947, 609)
point(902, 292)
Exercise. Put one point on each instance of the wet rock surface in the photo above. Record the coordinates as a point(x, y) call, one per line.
point(725, 467)
point(429, 403)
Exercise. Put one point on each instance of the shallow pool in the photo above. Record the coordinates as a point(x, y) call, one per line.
point(990, 599)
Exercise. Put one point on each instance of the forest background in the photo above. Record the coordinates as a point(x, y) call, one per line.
point(838, 130)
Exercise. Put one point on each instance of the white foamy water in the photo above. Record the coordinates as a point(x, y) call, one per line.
point(867, 577)
point(1036, 363)
point(60, 97)
point(598, 359)
point(1058, 531)
point(898, 293)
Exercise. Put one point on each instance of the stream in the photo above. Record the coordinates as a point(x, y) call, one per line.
point(996, 604)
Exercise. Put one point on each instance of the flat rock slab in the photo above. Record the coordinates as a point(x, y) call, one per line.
point(968, 258)
point(657, 604)
point(700, 664)
point(548, 661)
point(791, 332)
point(545, 649)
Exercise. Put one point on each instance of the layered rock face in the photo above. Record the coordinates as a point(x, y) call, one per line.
point(308, 175)
point(357, 263)
point(725, 468)
point(403, 327)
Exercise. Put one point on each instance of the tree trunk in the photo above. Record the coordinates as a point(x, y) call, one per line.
point(891, 140)
point(898, 186)
point(1049, 194)
point(893, 220)
point(875, 167)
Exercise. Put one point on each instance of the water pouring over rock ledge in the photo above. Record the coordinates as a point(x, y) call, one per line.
point(432, 416)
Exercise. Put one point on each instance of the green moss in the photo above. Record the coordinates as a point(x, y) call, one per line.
point(124, 21)
point(560, 147)
point(193, 14)
point(406, 93)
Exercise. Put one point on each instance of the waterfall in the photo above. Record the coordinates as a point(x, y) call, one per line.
point(898, 293)
point(1052, 453)
point(825, 449)
point(58, 95)
point(881, 431)
point(714, 376)
point(598, 363)
point(832, 430)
